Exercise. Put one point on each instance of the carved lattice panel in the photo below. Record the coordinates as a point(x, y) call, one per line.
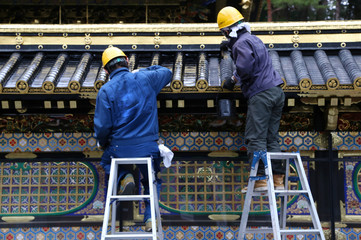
point(46, 188)
point(212, 187)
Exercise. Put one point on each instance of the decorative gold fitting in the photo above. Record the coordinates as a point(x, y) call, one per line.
point(340, 165)
point(296, 32)
point(65, 34)
point(319, 45)
point(295, 45)
point(270, 32)
point(87, 47)
point(19, 40)
point(17, 34)
point(110, 46)
point(179, 46)
point(156, 34)
point(318, 31)
point(17, 46)
point(134, 34)
point(271, 45)
point(179, 33)
point(157, 40)
point(40, 47)
point(40, 34)
point(343, 44)
point(295, 39)
point(64, 46)
point(343, 31)
point(110, 34)
point(202, 34)
point(87, 40)
point(202, 46)
point(19, 155)
point(156, 46)
point(15, 219)
point(134, 46)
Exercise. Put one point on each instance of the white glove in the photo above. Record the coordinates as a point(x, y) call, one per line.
point(167, 155)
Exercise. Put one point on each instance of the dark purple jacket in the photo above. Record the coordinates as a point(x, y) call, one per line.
point(254, 67)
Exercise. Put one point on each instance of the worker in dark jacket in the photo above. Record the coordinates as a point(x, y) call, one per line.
point(260, 85)
point(126, 118)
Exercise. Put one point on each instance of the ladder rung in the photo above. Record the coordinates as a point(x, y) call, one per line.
point(259, 230)
point(284, 232)
point(129, 197)
point(130, 160)
point(282, 155)
point(129, 235)
point(290, 192)
point(281, 192)
point(299, 231)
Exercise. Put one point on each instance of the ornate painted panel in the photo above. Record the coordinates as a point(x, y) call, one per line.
point(177, 141)
point(51, 188)
point(352, 204)
point(196, 187)
point(170, 232)
point(213, 187)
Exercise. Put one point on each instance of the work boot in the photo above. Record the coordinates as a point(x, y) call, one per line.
point(148, 225)
point(127, 185)
point(278, 181)
point(259, 186)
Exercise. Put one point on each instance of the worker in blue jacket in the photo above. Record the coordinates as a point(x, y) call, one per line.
point(260, 85)
point(126, 118)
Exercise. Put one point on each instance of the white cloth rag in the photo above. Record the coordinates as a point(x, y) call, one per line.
point(240, 26)
point(167, 155)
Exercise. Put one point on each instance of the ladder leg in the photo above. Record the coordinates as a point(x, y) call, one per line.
point(311, 205)
point(247, 202)
point(151, 200)
point(157, 212)
point(284, 200)
point(272, 199)
point(107, 203)
point(114, 203)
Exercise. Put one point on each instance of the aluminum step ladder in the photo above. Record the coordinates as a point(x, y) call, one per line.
point(113, 198)
point(279, 223)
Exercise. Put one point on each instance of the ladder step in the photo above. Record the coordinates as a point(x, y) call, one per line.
point(285, 231)
point(281, 192)
point(282, 155)
point(130, 160)
point(299, 231)
point(129, 197)
point(129, 235)
point(291, 192)
point(259, 230)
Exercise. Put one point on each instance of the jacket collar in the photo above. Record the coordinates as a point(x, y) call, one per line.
point(116, 71)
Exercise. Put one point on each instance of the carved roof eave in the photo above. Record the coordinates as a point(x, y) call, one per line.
point(196, 27)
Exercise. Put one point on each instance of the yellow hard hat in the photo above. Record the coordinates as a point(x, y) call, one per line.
point(110, 53)
point(228, 16)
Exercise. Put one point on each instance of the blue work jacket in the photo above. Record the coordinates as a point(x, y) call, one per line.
point(126, 106)
point(254, 67)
